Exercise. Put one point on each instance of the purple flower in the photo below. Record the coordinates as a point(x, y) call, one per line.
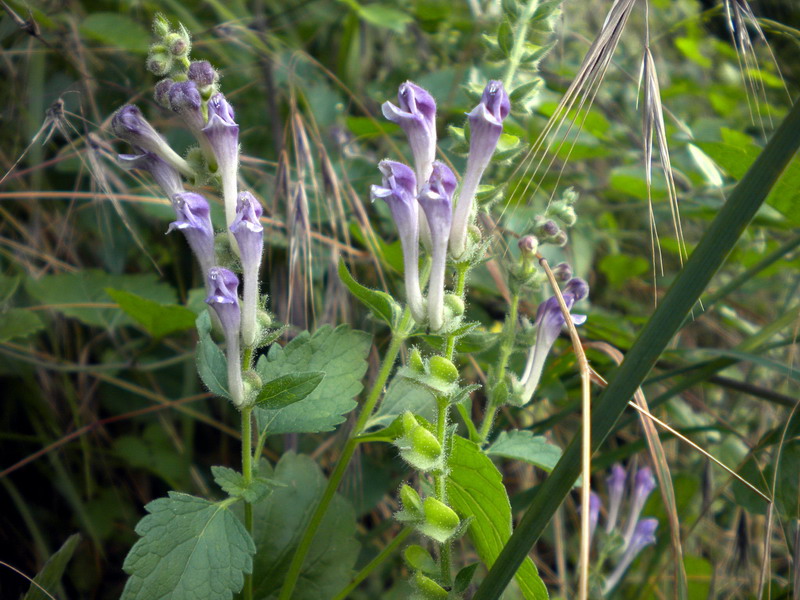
point(643, 536)
point(161, 92)
point(249, 234)
point(417, 116)
point(616, 490)
point(129, 124)
point(644, 484)
point(164, 175)
point(563, 271)
point(194, 221)
point(595, 504)
point(486, 125)
point(398, 189)
point(222, 134)
point(202, 73)
point(549, 321)
point(436, 199)
point(222, 297)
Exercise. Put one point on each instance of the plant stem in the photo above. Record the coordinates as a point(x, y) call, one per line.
point(520, 39)
point(440, 482)
point(374, 563)
point(247, 474)
point(293, 572)
point(506, 348)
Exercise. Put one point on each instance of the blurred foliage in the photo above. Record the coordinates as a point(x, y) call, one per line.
point(102, 409)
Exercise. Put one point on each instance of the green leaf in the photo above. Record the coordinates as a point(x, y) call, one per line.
point(621, 268)
point(82, 295)
point(401, 396)
point(19, 323)
point(380, 304)
point(8, 285)
point(53, 570)
point(232, 483)
point(385, 16)
point(117, 30)
point(523, 445)
point(279, 523)
point(505, 37)
point(340, 354)
point(288, 389)
point(154, 452)
point(475, 488)
point(211, 364)
point(190, 549)
point(158, 319)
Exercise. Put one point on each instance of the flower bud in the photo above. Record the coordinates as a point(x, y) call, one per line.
point(416, 114)
point(560, 239)
point(563, 271)
point(616, 489)
point(426, 588)
point(223, 298)
point(410, 500)
point(161, 92)
point(454, 304)
point(251, 386)
point(193, 219)
point(443, 369)
point(570, 196)
point(545, 229)
point(160, 26)
point(528, 245)
point(409, 422)
point(441, 521)
point(423, 442)
point(202, 73)
point(177, 44)
point(159, 63)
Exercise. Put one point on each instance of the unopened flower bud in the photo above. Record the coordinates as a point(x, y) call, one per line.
point(177, 45)
point(560, 239)
point(161, 92)
point(410, 500)
point(415, 361)
point(251, 386)
point(563, 271)
point(202, 73)
point(528, 245)
point(416, 114)
point(570, 196)
point(454, 304)
point(159, 64)
point(546, 228)
point(160, 26)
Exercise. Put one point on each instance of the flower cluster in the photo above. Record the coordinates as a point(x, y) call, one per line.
point(623, 543)
point(431, 185)
point(191, 91)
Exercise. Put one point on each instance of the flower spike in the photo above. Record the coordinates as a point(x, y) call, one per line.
point(486, 125)
point(398, 189)
point(436, 200)
point(249, 234)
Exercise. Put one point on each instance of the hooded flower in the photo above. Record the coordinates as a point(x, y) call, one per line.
point(436, 199)
point(643, 536)
point(616, 490)
point(249, 234)
point(486, 125)
point(194, 221)
point(222, 297)
point(416, 114)
point(222, 134)
point(167, 178)
point(398, 189)
point(643, 486)
point(129, 124)
point(549, 322)
point(202, 74)
point(184, 99)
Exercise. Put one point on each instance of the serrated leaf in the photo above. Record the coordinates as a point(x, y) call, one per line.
point(232, 483)
point(505, 37)
point(82, 295)
point(211, 364)
point(475, 488)
point(401, 396)
point(380, 304)
point(190, 549)
point(18, 323)
point(521, 92)
point(53, 570)
point(279, 523)
point(158, 319)
point(340, 354)
point(523, 445)
point(288, 389)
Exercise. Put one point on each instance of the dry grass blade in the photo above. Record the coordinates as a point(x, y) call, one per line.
point(586, 441)
point(18, 572)
point(582, 89)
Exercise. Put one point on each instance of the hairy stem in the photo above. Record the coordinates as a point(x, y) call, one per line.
point(440, 481)
point(293, 573)
point(247, 473)
point(520, 39)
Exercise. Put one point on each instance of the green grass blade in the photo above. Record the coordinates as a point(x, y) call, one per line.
point(704, 262)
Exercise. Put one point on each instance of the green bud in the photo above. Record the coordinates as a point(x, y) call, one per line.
point(455, 304)
point(264, 319)
point(441, 521)
point(415, 361)
point(410, 499)
point(474, 233)
point(570, 196)
point(252, 384)
point(528, 246)
point(177, 44)
point(159, 63)
point(560, 239)
point(427, 589)
point(443, 369)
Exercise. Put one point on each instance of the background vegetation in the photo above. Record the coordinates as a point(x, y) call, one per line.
point(102, 412)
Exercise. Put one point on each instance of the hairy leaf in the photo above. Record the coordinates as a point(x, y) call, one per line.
point(380, 304)
point(232, 483)
point(288, 389)
point(338, 353)
point(190, 549)
point(523, 445)
point(211, 363)
point(158, 319)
